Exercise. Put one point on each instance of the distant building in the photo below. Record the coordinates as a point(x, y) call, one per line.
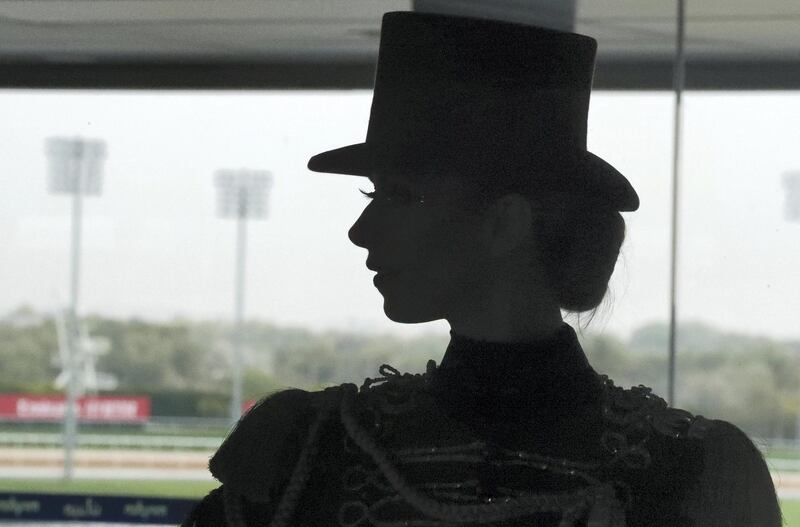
point(791, 183)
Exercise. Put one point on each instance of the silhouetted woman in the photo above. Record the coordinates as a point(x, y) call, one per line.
point(487, 212)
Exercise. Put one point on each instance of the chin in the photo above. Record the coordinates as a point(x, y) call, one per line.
point(409, 314)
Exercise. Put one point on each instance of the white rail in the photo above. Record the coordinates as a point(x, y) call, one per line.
point(110, 441)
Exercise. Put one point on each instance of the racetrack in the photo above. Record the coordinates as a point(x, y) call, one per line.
point(105, 464)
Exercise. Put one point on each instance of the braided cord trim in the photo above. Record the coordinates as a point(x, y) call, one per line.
point(499, 510)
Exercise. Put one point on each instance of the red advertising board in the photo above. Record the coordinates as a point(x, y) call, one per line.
point(91, 408)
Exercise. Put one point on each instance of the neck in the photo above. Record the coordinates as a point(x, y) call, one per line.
point(507, 316)
point(505, 331)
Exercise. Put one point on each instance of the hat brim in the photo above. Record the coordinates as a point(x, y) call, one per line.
point(611, 180)
point(600, 176)
point(352, 160)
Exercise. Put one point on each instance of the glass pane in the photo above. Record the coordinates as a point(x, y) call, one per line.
point(158, 263)
point(739, 260)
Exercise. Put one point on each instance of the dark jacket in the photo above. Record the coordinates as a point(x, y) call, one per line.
point(500, 434)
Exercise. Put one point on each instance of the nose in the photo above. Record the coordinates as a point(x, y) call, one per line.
point(358, 232)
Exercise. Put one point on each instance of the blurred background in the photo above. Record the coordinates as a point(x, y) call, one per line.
point(166, 259)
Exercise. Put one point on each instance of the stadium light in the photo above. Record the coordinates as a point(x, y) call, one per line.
point(242, 194)
point(74, 168)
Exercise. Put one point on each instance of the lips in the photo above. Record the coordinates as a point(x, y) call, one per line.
point(382, 276)
point(378, 269)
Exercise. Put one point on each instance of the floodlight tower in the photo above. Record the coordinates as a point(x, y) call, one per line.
point(74, 167)
point(791, 185)
point(242, 194)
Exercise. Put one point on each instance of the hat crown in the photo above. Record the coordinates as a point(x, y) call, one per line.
point(449, 85)
point(483, 52)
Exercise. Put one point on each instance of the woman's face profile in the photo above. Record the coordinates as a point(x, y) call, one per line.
point(427, 254)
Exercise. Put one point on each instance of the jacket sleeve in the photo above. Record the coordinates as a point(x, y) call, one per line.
point(257, 458)
point(209, 512)
point(258, 455)
point(735, 488)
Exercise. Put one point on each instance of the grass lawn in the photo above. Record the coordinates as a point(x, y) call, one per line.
point(783, 453)
point(165, 488)
point(791, 513)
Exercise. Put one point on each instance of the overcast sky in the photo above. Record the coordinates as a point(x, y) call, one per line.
point(153, 246)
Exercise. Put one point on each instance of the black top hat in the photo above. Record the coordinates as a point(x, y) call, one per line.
point(502, 105)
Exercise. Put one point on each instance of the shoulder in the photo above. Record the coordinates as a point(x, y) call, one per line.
point(207, 512)
point(259, 454)
point(725, 442)
point(712, 468)
point(639, 412)
point(735, 487)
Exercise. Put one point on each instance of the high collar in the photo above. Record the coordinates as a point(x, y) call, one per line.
point(465, 352)
point(544, 377)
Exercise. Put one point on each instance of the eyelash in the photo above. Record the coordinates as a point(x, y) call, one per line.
point(391, 197)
